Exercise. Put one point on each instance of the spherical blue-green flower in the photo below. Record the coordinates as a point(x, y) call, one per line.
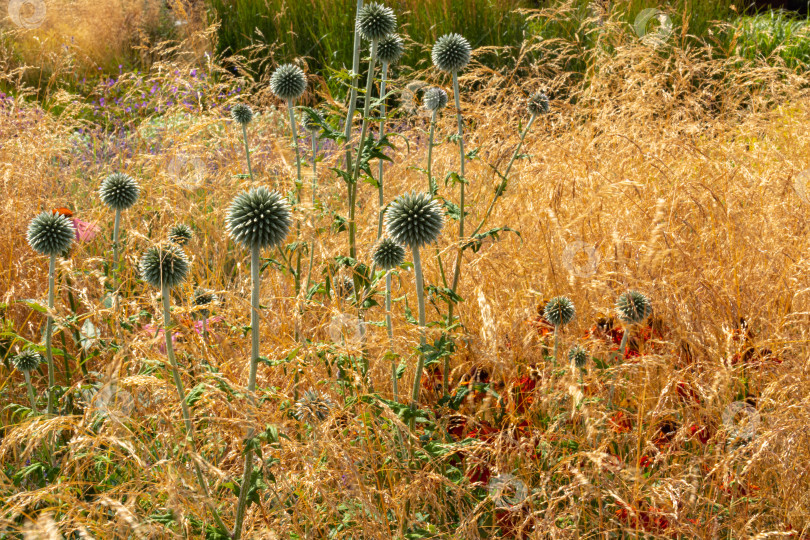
point(376, 21)
point(451, 52)
point(311, 124)
point(180, 234)
point(50, 233)
point(579, 356)
point(288, 82)
point(559, 311)
point(27, 361)
point(538, 104)
point(633, 307)
point(259, 218)
point(434, 99)
point(119, 191)
point(164, 265)
point(390, 49)
point(388, 254)
point(204, 299)
point(414, 219)
point(241, 114)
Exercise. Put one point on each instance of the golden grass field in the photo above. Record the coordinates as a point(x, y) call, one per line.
point(682, 172)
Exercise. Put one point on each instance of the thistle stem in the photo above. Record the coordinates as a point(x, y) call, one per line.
point(457, 272)
point(348, 128)
point(49, 335)
point(314, 189)
point(247, 150)
point(183, 405)
point(254, 362)
point(382, 163)
point(30, 391)
point(390, 327)
point(116, 229)
point(432, 188)
point(556, 343)
point(420, 296)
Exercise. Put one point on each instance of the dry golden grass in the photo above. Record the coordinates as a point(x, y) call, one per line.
point(680, 171)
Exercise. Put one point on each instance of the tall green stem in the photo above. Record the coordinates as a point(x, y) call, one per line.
point(556, 343)
point(460, 119)
point(432, 188)
point(116, 229)
point(247, 150)
point(348, 128)
point(181, 393)
point(314, 190)
point(382, 163)
point(389, 325)
point(49, 335)
point(30, 391)
point(254, 362)
point(420, 296)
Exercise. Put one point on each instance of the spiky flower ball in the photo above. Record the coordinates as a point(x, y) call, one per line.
point(27, 361)
point(388, 254)
point(375, 21)
point(579, 356)
point(119, 191)
point(344, 286)
point(259, 218)
point(633, 307)
point(241, 114)
point(538, 104)
point(309, 123)
point(390, 49)
point(414, 219)
point(203, 299)
point(559, 311)
point(180, 234)
point(313, 407)
point(50, 234)
point(451, 52)
point(288, 82)
point(435, 99)
point(164, 265)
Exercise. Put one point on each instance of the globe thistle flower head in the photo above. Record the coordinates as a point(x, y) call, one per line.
point(344, 286)
point(180, 234)
point(633, 307)
point(313, 407)
point(309, 123)
point(559, 311)
point(390, 49)
point(538, 104)
point(241, 114)
point(259, 218)
point(435, 99)
point(414, 219)
point(119, 191)
point(50, 234)
point(288, 82)
point(164, 265)
point(451, 52)
point(27, 361)
point(376, 21)
point(579, 356)
point(204, 299)
point(388, 254)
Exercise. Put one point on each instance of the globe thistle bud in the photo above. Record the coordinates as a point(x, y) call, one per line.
point(451, 52)
point(119, 191)
point(435, 99)
point(388, 254)
point(579, 356)
point(203, 300)
point(288, 82)
point(164, 265)
point(309, 123)
point(390, 49)
point(414, 219)
point(633, 307)
point(538, 104)
point(344, 286)
point(375, 21)
point(27, 361)
point(259, 218)
point(50, 234)
point(559, 311)
point(180, 234)
point(313, 407)
point(241, 114)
